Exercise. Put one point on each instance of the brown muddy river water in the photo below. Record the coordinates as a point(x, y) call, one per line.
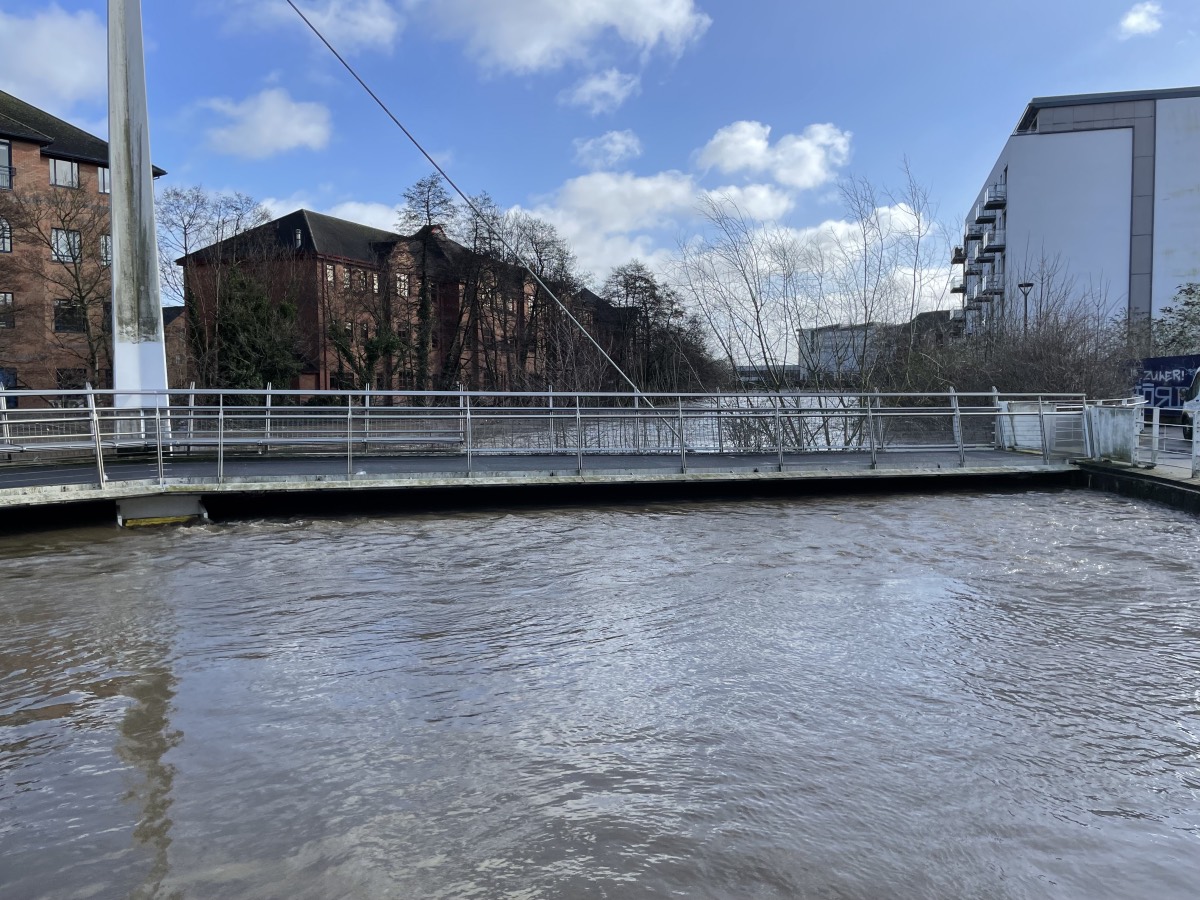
point(942, 696)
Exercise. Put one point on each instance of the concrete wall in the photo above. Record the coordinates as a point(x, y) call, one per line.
point(1069, 196)
point(1176, 199)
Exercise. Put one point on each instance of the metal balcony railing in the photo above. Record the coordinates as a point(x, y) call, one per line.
point(7, 175)
point(993, 241)
point(984, 215)
point(957, 286)
point(957, 256)
point(996, 196)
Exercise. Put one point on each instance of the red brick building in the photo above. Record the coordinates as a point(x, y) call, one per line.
point(359, 294)
point(55, 253)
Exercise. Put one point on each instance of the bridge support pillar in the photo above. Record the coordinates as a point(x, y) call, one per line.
point(166, 509)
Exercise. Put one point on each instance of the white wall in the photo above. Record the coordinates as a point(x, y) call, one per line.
point(1069, 195)
point(1176, 198)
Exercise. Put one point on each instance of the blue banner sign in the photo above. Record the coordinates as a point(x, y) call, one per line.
point(1164, 379)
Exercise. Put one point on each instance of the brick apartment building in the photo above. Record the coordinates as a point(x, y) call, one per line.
point(55, 255)
point(358, 294)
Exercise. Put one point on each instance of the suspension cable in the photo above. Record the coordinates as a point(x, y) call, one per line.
point(467, 200)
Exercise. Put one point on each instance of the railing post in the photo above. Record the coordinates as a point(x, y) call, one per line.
point(267, 424)
point(720, 426)
point(1000, 445)
point(776, 403)
point(469, 430)
point(578, 436)
point(1195, 448)
point(1042, 425)
point(366, 418)
point(158, 431)
point(220, 438)
point(4, 429)
point(349, 437)
point(553, 424)
point(871, 433)
point(637, 424)
point(95, 417)
point(191, 414)
point(1155, 436)
point(958, 432)
point(682, 442)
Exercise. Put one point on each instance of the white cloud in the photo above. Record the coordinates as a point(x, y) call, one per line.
point(535, 35)
point(349, 25)
point(1142, 18)
point(801, 161)
point(607, 151)
point(377, 215)
point(281, 206)
point(762, 202)
point(54, 59)
point(602, 92)
point(268, 123)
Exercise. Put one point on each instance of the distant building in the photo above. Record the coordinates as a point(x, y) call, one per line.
point(55, 252)
point(1103, 186)
point(491, 327)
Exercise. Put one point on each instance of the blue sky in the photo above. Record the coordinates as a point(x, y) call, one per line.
point(607, 117)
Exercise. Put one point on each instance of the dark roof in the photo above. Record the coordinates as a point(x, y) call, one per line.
point(1039, 103)
point(339, 237)
point(171, 313)
point(59, 139)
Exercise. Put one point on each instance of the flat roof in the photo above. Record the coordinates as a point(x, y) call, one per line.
point(1039, 103)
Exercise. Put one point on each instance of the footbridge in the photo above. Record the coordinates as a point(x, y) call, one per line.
point(179, 452)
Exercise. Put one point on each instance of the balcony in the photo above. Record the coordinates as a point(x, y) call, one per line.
point(993, 241)
point(7, 174)
point(983, 215)
point(980, 257)
point(996, 197)
point(992, 286)
point(958, 256)
point(973, 233)
point(957, 286)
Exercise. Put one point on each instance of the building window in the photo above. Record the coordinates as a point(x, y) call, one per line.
point(7, 316)
point(375, 282)
point(104, 179)
point(6, 169)
point(346, 277)
point(64, 173)
point(70, 380)
point(5, 236)
point(364, 332)
point(329, 276)
point(299, 237)
point(69, 316)
point(65, 245)
point(401, 285)
point(106, 250)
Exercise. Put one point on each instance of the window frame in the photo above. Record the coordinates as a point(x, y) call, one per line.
point(103, 180)
point(8, 309)
point(73, 170)
point(5, 236)
point(74, 245)
point(75, 323)
point(106, 251)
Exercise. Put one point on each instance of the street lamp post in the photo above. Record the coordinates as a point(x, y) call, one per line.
point(1025, 287)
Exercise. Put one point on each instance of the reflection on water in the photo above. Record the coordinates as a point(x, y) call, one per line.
point(941, 696)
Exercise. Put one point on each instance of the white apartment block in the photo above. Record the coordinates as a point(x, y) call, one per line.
point(1105, 187)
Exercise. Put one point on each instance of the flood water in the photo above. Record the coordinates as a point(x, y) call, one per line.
point(954, 696)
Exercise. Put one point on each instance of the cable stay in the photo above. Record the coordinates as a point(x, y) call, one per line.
point(470, 203)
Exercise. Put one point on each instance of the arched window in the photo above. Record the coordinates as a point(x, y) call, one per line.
point(5, 237)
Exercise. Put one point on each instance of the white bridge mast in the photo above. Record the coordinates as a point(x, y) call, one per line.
point(139, 348)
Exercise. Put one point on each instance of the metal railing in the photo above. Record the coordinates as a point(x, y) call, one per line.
point(1167, 440)
point(80, 430)
point(7, 175)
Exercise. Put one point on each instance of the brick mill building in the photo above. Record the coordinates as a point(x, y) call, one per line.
point(55, 254)
point(358, 294)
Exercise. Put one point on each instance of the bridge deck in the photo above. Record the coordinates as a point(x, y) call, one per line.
point(36, 485)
